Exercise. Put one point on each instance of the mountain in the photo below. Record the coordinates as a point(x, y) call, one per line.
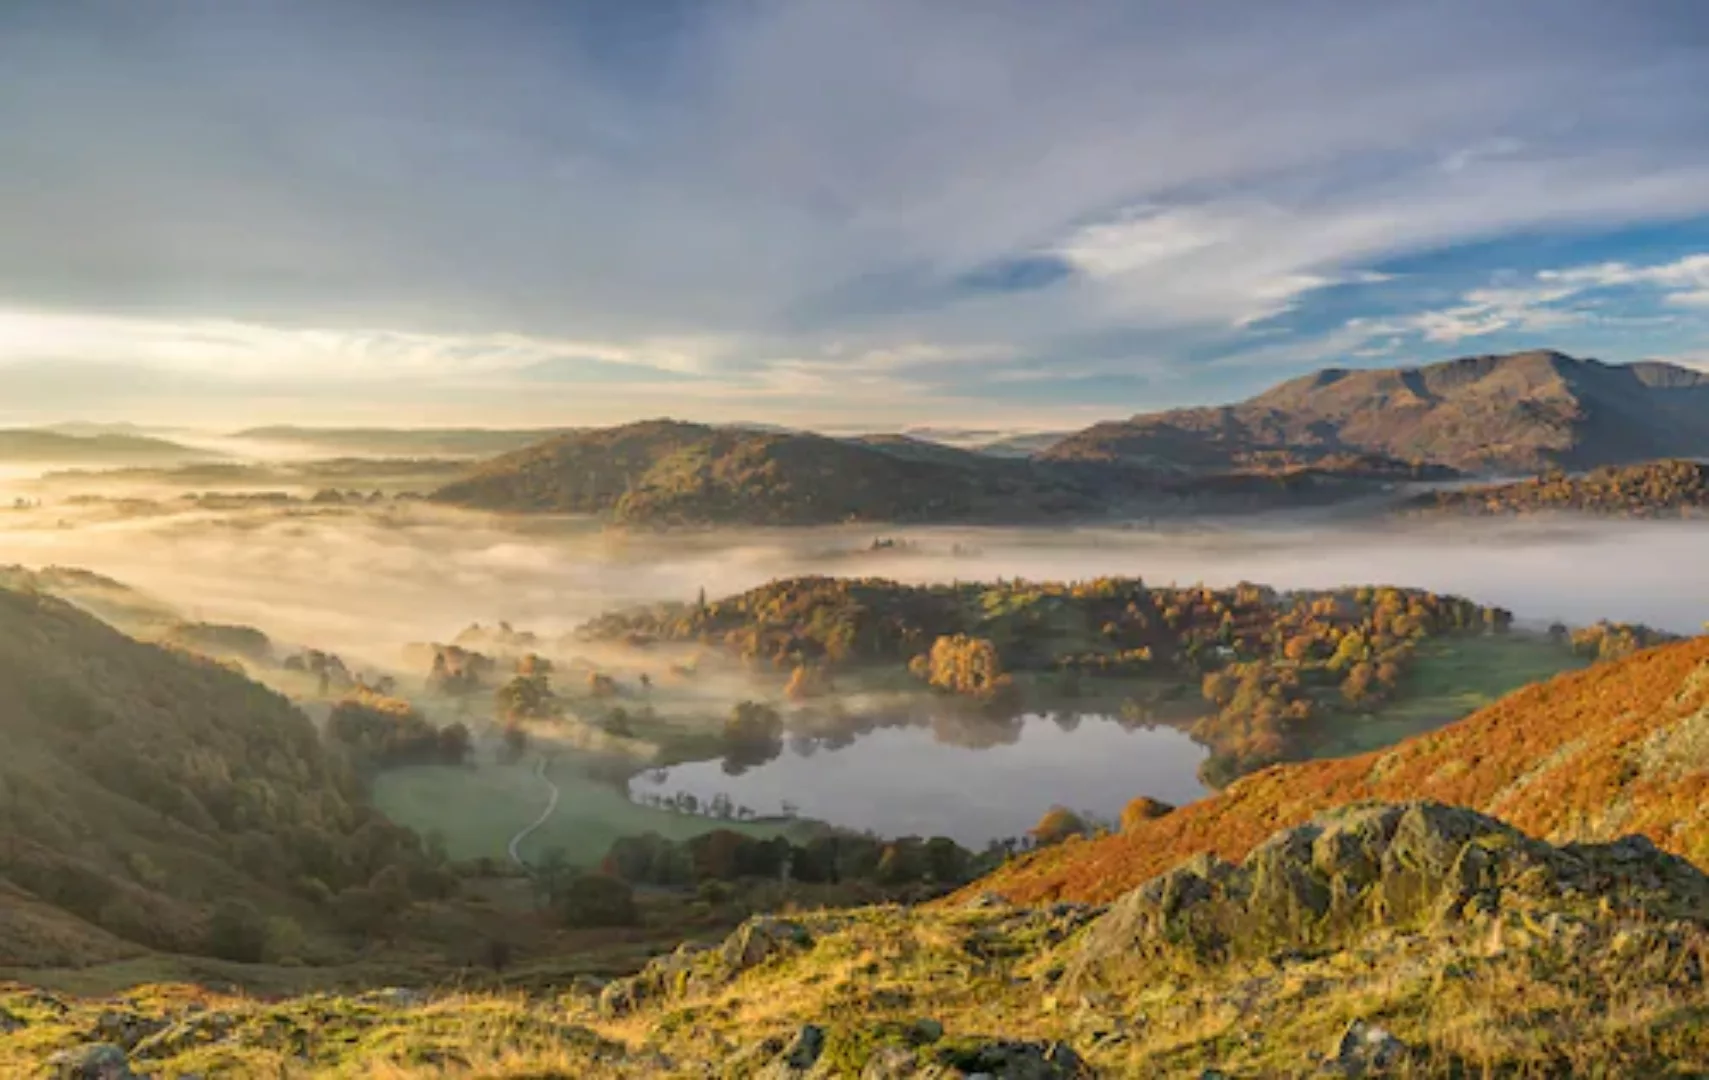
point(142, 788)
point(1655, 489)
point(1519, 412)
point(1413, 939)
point(1587, 756)
point(405, 442)
point(40, 446)
point(667, 471)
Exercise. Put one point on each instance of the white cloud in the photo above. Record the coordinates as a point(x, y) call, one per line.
point(249, 351)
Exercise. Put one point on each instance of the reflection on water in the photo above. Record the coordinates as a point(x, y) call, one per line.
point(904, 781)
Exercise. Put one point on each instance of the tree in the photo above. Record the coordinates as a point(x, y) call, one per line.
point(595, 900)
point(1143, 809)
point(1057, 825)
point(237, 931)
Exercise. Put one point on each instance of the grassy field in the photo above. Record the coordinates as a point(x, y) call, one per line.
point(478, 809)
point(1450, 678)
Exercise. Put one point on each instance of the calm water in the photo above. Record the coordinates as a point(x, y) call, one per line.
point(911, 781)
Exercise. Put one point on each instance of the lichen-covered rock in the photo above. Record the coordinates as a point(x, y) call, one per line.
point(1365, 1050)
point(1329, 881)
point(758, 940)
point(96, 1061)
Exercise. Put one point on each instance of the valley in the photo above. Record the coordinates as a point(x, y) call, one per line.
point(361, 730)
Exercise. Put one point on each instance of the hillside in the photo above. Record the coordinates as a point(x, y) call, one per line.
point(1654, 489)
point(1524, 412)
point(1413, 940)
point(1619, 748)
point(39, 446)
point(142, 788)
point(670, 472)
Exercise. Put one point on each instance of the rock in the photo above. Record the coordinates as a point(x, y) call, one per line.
point(10, 1023)
point(1328, 882)
point(1007, 1060)
point(926, 1031)
point(125, 1030)
point(622, 997)
point(96, 1061)
point(1366, 1050)
point(986, 901)
point(758, 940)
point(804, 1052)
point(394, 997)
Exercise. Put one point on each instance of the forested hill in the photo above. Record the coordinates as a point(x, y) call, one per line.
point(1651, 490)
point(665, 471)
point(142, 789)
point(1523, 411)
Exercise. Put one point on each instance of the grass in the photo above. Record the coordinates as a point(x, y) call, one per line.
point(478, 809)
point(1450, 678)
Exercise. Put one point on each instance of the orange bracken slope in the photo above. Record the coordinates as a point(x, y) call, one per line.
point(1593, 755)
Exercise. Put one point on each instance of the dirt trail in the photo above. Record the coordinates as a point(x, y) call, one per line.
point(545, 815)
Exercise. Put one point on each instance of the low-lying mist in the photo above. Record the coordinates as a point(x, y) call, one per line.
point(365, 580)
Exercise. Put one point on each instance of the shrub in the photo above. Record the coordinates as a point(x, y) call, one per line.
point(594, 900)
point(237, 932)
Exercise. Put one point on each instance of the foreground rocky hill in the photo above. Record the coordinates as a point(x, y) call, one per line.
point(1519, 412)
point(1593, 755)
point(1416, 939)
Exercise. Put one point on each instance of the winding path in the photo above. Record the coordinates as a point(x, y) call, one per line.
point(545, 815)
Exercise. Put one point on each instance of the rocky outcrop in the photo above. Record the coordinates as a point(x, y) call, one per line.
point(1325, 883)
point(695, 968)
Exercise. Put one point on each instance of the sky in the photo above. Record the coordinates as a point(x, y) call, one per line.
point(841, 214)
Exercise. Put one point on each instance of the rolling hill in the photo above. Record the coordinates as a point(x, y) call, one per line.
point(666, 471)
point(33, 446)
point(1593, 755)
point(1518, 412)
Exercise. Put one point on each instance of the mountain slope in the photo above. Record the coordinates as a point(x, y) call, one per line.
point(667, 471)
point(1522, 411)
point(1619, 748)
point(140, 787)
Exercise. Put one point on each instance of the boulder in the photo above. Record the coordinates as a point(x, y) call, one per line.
point(758, 940)
point(1365, 1049)
point(95, 1061)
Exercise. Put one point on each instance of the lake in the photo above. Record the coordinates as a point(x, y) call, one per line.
point(913, 781)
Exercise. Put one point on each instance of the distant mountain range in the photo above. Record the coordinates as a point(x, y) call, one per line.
point(1484, 414)
point(1328, 436)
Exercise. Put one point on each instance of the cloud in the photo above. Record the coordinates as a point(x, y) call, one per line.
point(261, 192)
